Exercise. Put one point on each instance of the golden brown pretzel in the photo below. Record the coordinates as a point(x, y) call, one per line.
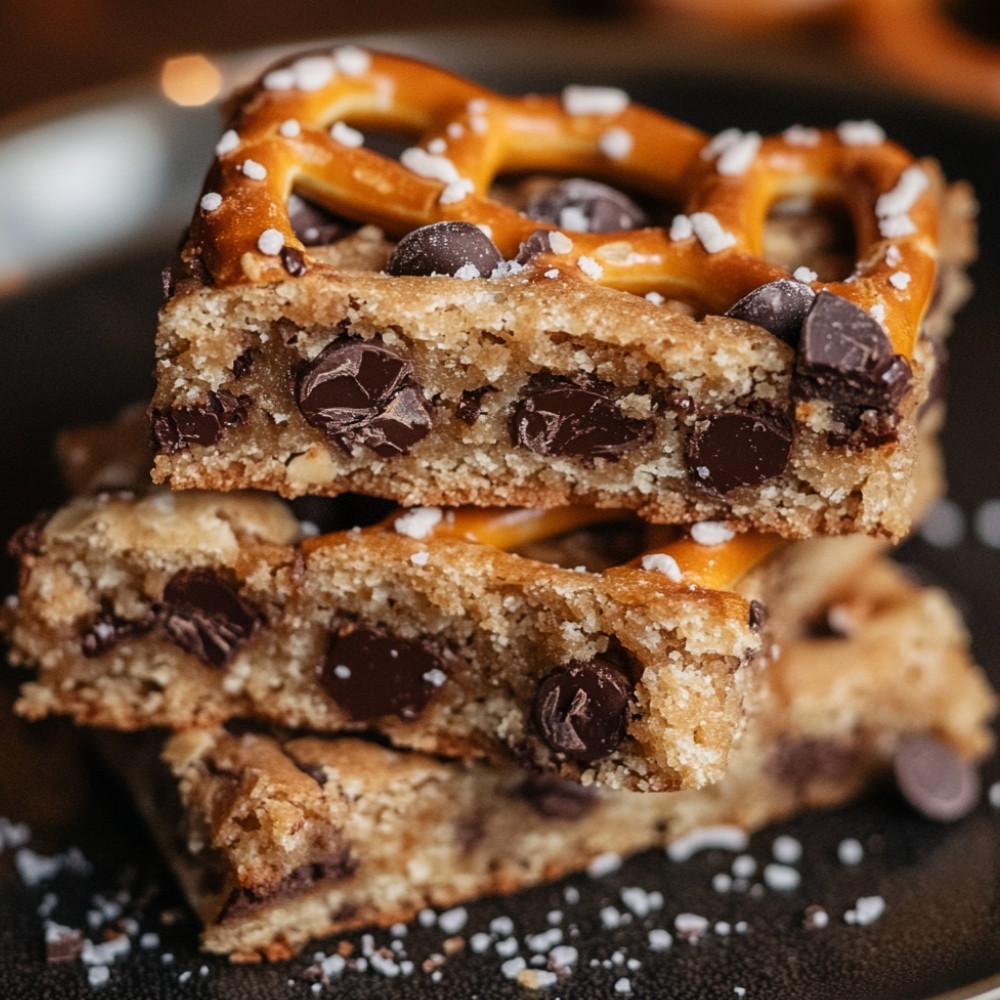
point(301, 127)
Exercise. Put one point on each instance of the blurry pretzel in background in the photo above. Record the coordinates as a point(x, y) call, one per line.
point(914, 41)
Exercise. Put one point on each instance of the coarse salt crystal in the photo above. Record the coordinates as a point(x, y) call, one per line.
point(656, 298)
point(801, 135)
point(210, 201)
point(660, 939)
point(710, 233)
point(616, 143)
point(418, 522)
point(681, 228)
point(343, 133)
point(456, 191)
point(860, 133)
point(804, 274)
point(420, 558)
point(711, 533)
point(580, 100)
point(560, 242)
point(867, 909)
point(271, 241)
point(736, 151)
point(604, 864)
point(254, 170)
point(351, 60)
point(312, 73)
point(900, 280)
point(660, 562)
point(290, 128)
point(435, 677)
point(912, 182)
point(424, 164)
point(690, 925)
point(229, 141)
point(781, 877)
point(590, 267)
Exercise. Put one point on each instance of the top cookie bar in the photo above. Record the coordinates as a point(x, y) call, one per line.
point(487, 320)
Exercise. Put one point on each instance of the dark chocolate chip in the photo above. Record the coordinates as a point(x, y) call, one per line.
point(108, 629)
point(577, 417)
point(370, 672)
point(583, 205)
point(293, 261)
point(758, 615)
point(206, 617)
point(537, 243)
point(470, 405)
point(313, 224)
point(181, 426)
point(779, 307)
point(934, 779)
point(445, 248)
point(243, 364)
point(846, 359)
point(556, 798)
point(27, 540)
point(736, 448)
point(361, 392)
point(582, 709)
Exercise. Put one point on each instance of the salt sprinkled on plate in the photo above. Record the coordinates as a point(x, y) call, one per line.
point(723, 838)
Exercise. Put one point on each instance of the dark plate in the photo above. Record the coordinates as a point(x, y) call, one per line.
point(76, 344)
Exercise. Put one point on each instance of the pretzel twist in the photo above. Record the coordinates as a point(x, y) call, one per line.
point(297, 128)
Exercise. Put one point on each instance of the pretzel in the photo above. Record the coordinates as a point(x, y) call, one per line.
point(301, 127)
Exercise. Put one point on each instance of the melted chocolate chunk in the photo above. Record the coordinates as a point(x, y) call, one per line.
point(206, 617)
point(579, 418)
point(445, 248)
point(779, 307)
point(535, 244)
point(313, 224)
point(758, 615)
point(556, 798)
point(181, 426)
point(587, 206)
point(370, 672)
point(736, 448)
point(846, 359)
point(359, 392)
point(582, 709)
point(27, 540)
point(470, 406)
point(108, 629)
point(934, 779)
point(293, 261)
point(243, 364)
point(243, 900)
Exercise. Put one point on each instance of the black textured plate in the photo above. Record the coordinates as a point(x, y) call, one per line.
point(93, 199)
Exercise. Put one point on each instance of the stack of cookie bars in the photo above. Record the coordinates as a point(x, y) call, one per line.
point(527, 469)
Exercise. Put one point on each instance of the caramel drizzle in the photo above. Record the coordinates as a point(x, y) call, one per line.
point(483, 134)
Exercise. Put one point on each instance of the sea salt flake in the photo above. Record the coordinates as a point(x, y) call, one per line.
point(560, 242)
point(456, 191)
point(801, 135)
point(229, 141)
point(616, 143)
point(424, 164)
point(271, 241)
point(254, 170)
point(435, 677)
point(681, 228)
point(900, 280)
point(850, 852)
point(604, 864)
point(660, 562)
point(351, 60)
point(290, 128)
point(867, 909)
point(804, 274)
point(860, 133)
point(581, 100)
point(210, 201)
point(343, 133)
point(418, 522)
point(690, 925)
point(711, 533)
point(420, 558)
point(590, 267)
point(660, 939)
point(710, 233)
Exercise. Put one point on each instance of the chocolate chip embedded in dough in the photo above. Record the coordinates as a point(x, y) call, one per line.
point(576, 417)
point(934, 779)
point(470, 405)
point(582, 205)
point(179, 427)
point(206, 617)
point(359, 392)
point(556, 798)
point(582, 709)
point(293, 261)
point(313, 224)
point(445, 248)
point(779, 307)
point(846, 359)
point(243, 364)
point(758, 615)
point(370, 672)
point(736, 448)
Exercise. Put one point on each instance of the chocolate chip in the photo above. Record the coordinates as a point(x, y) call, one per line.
point(445, 248)
point(27, 540)
point(470, 405)
point(736, 448)
point(758, 615)
point(846, 359)
point(62, 944)
point(577, 417)
point(293, 261)
point(556, 798)
point(181, 426)
point(370, 672)
point(313, 224)
point(934, 779)
point(582, 709)
point(243, 364)
point(583, 205)
point(537, 243)
point(779, 307)
point(361, 392)
point(206, 617)
point(108, 629)
point(799, 762)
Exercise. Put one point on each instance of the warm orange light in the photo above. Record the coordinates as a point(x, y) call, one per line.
point(190, 80)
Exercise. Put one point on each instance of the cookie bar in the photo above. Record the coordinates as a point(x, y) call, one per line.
point(558, 300)
point(185, 609)
point(287, 838)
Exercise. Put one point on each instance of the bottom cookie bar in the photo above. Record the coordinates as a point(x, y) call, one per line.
point(287, 838)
